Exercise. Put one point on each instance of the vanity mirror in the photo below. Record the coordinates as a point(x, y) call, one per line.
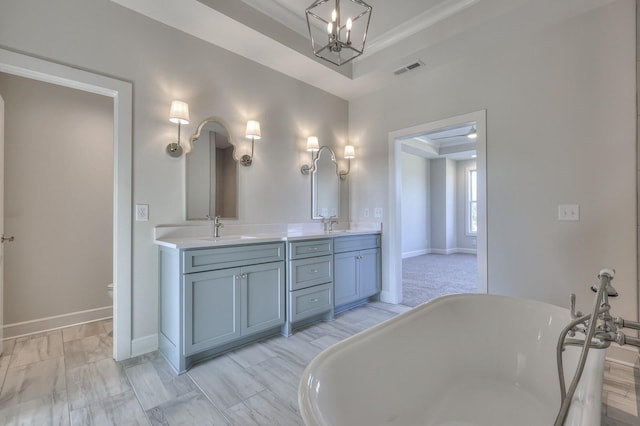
point(325, 185)
point(212, 172)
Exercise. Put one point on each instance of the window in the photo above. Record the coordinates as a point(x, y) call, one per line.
point(472, 201)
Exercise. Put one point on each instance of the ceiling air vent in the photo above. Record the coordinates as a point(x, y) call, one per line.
point(409, 67)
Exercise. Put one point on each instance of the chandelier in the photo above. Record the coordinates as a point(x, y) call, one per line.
point(338, 30)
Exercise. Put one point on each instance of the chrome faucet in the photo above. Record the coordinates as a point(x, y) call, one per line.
point(328, 223)
point(214, 228)
point(599, 329)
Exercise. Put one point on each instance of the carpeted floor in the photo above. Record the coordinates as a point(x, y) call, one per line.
point(431, 275)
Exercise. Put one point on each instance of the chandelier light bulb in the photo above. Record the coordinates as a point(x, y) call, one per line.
point(345, 38)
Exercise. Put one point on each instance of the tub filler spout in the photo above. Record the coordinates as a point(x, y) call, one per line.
point(599, 329)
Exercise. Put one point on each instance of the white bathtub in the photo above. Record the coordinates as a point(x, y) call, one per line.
point(457, 360)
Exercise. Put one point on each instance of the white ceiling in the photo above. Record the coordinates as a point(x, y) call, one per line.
point(437, 32)
point(449, 142)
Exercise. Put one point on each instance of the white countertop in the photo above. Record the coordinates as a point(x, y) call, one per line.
point(188, 242)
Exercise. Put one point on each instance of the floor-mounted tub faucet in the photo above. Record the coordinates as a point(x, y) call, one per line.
point(599, 328)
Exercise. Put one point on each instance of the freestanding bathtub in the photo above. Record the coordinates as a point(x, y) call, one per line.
point(457, 360)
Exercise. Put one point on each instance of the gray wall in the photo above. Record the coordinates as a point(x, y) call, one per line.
point(443, 205)
point(463, 240)
point(166, 64)
point(451, 229)
point(416, 214)
point(438, 173)
point(58, 199)
point(573, 89)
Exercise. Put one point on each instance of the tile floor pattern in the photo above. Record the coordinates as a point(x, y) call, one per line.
point(67, 377)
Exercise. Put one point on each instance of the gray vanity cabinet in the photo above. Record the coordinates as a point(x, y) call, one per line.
point(262, 298)
point(214, 299)
point(230, 303)
point(356, 269)
point(309, 282)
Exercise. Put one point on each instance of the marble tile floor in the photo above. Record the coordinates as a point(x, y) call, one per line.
point(67, 377)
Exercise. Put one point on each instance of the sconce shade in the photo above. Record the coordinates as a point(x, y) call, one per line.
point(179, 112)
point(312, 144)
point(472, 133)
point(253, 129)
point(349, 152)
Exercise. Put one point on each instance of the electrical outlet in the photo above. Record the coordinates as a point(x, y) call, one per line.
point(568, 212)
point(142, 212)
point(366, 212)
point(377, 212)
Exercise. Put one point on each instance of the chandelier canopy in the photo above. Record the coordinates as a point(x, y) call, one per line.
point(338, 29)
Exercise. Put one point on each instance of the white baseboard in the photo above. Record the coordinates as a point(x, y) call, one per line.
point(625, 355)
point(143, 345)
point(388, 297)
point(453, 251)
point(415, 253)
point(467, 251)
point(41, 325)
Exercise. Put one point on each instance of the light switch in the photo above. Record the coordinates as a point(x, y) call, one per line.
point(568, 212)
point(142, 212)
point(366, 212)
point(377, 212)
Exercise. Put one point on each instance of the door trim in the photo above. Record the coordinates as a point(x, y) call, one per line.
point(121, 92)
point(392, 238)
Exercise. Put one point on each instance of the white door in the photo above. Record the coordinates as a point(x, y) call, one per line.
point(1, 217)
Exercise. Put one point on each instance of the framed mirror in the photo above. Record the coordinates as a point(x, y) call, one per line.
point(211, 172)
point(325, 185)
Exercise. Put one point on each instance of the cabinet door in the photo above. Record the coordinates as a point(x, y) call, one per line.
point(345, 278)
point(211, 309)
point(369, 272)
point(262, 297)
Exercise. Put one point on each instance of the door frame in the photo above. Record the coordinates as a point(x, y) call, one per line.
point(392, 239)
point(122, 94)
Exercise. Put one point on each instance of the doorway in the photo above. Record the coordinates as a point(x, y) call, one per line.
point(409, 140)
point(439, 213)
point(121, 93)
point(58, 197)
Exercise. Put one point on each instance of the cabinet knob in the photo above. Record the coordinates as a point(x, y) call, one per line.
point(314, 300)
point(314, 271)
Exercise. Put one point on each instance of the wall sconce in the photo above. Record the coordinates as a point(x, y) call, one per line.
point(179, 113)
point(253, 133)
point(349, 153)
point(473, 134)
point(312, 146)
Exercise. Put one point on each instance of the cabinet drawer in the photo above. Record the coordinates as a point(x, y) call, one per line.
point(229, 257)
point(305, 273)
point(360, 242)
point(304, 249)
point(310, 301)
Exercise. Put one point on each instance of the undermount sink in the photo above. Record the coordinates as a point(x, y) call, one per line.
point(230, 238)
